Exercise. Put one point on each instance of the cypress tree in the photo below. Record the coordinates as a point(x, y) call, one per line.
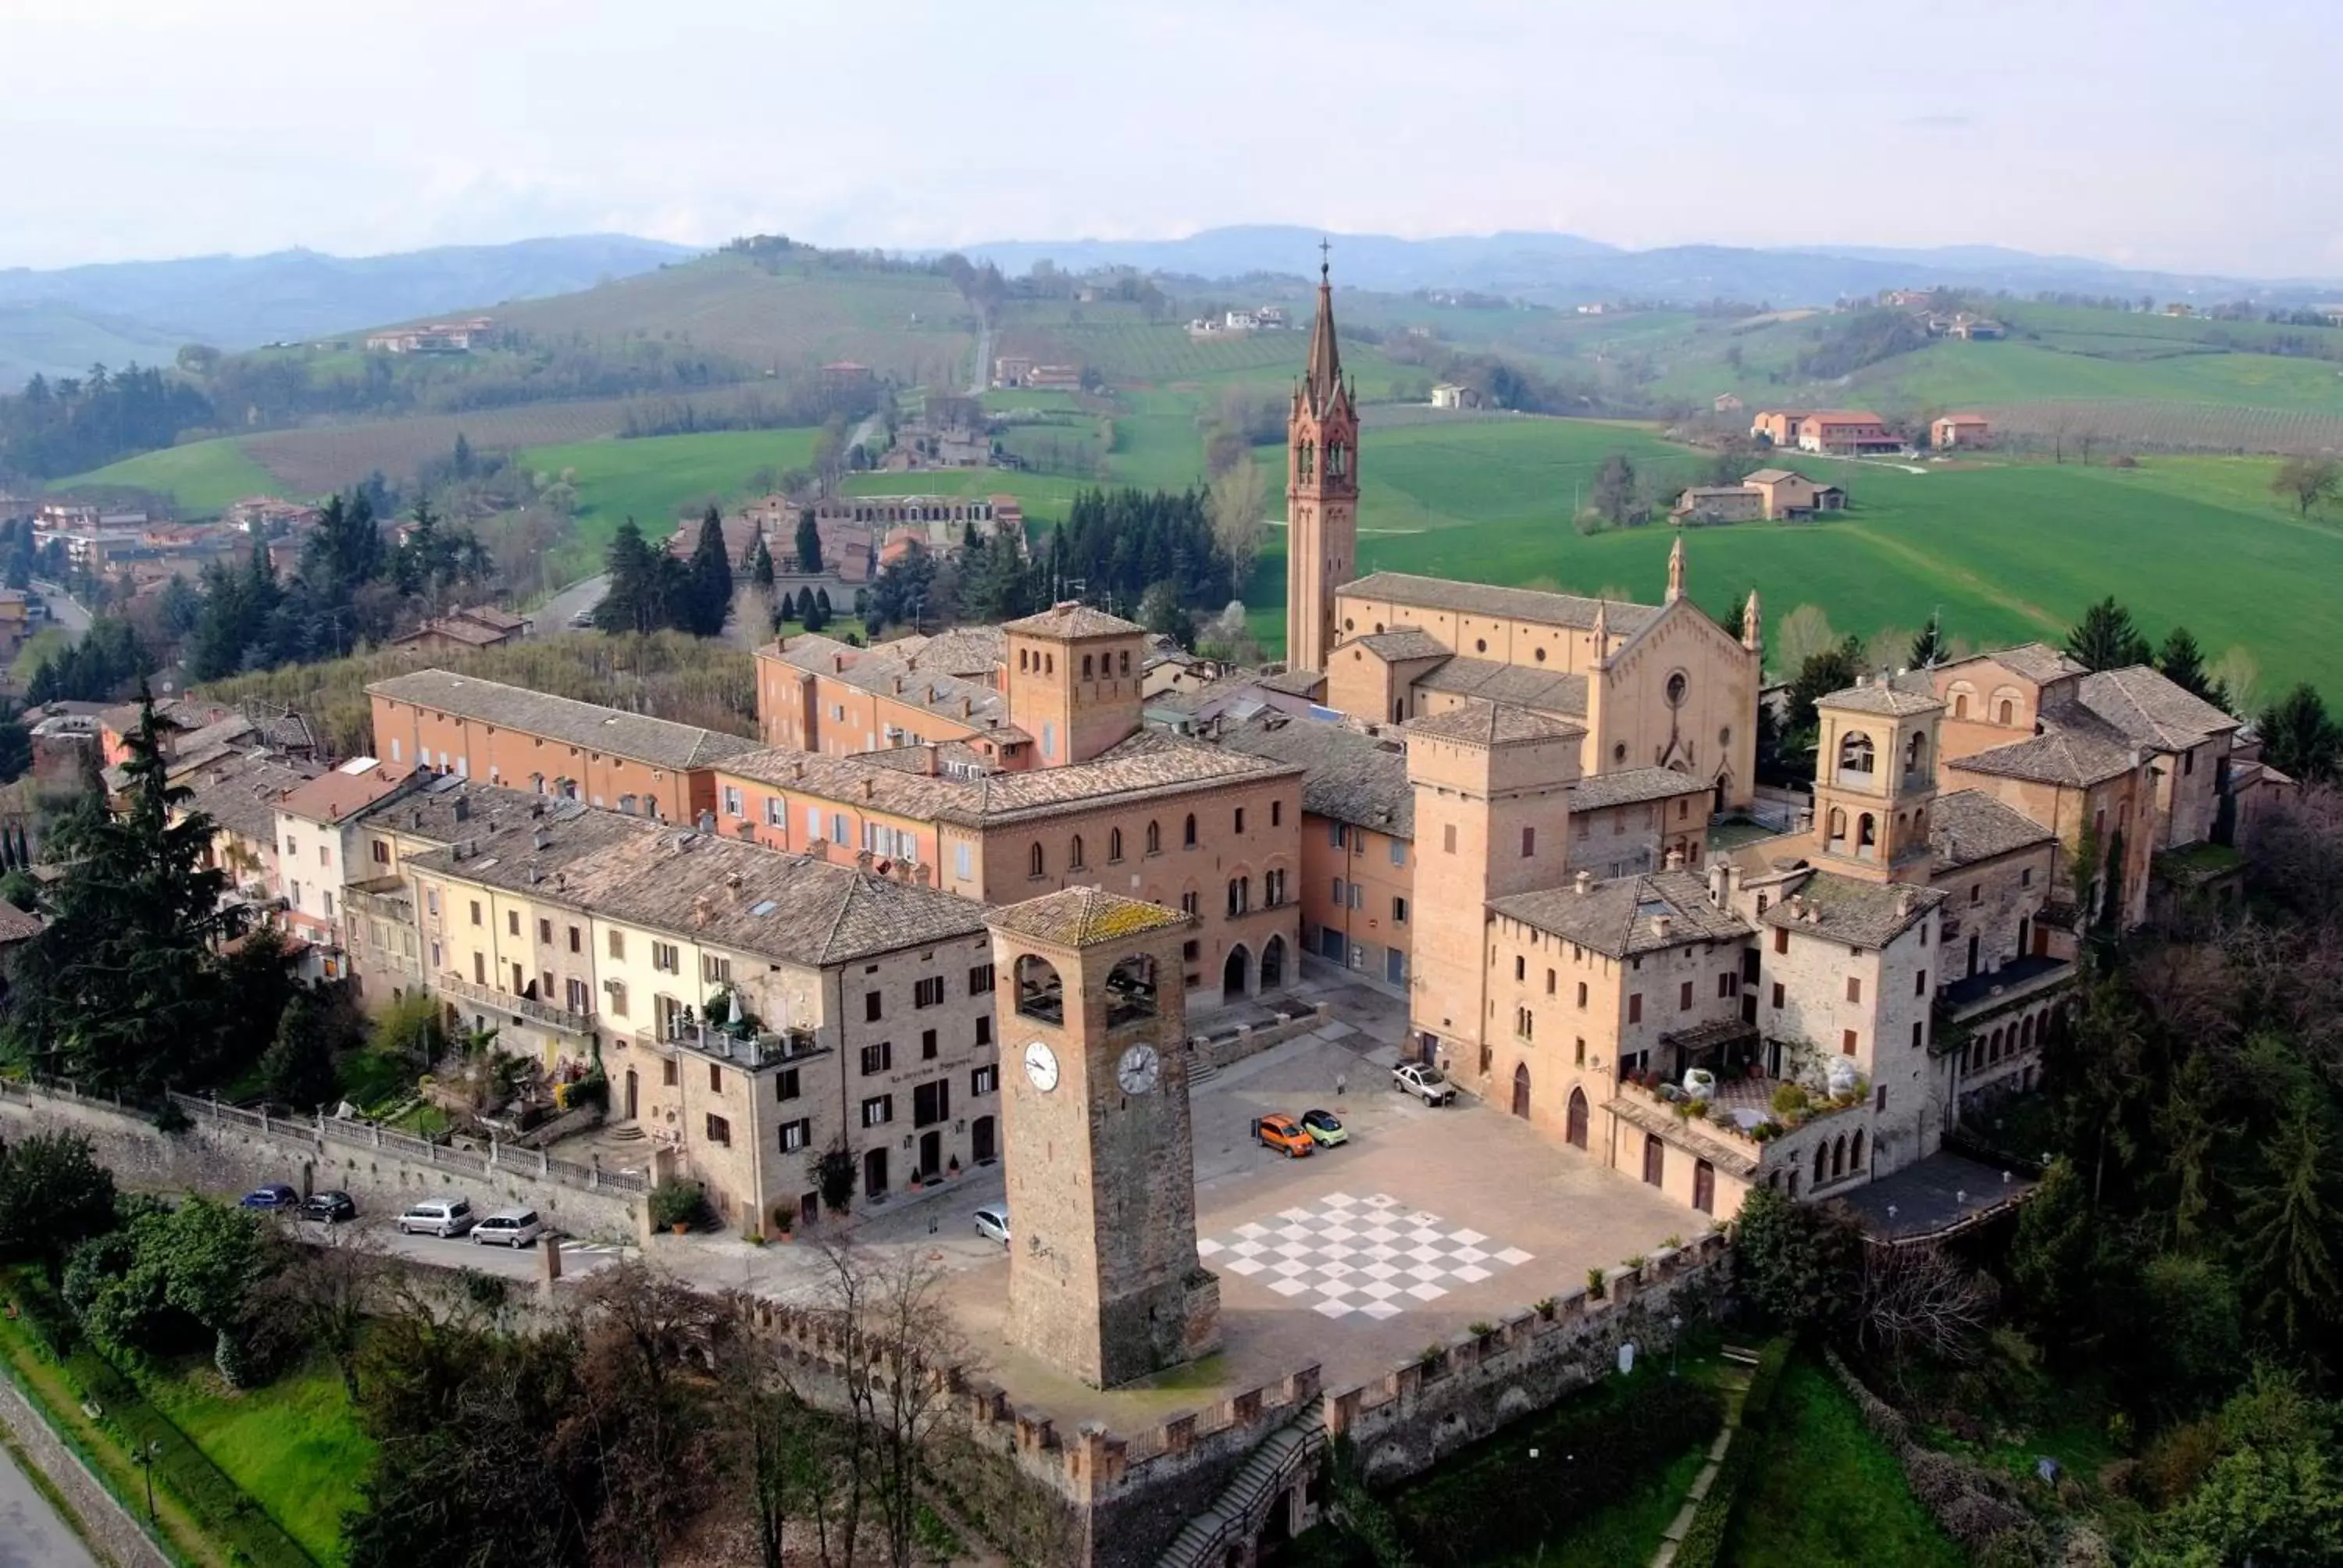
point(709, 598)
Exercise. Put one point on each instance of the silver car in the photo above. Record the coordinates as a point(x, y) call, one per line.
point(992, 1224)
point(442, 1217)
point(509, 1228)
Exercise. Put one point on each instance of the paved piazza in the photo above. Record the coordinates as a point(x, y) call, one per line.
point(1371, 1255)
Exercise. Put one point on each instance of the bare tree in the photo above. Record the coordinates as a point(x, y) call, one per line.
point(2307, 480)
point(1918, 1300)
point(1804, 632)
point(1239, 504)
point(330, 1291)
point(650, 1341)
point(786, 1452)
point(2241, 677)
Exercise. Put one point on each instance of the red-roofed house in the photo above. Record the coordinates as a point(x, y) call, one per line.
point(314, 846)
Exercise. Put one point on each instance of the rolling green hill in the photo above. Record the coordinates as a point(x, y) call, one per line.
point(201, 477)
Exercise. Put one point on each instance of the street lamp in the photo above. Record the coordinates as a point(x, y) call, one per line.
point(1676, 1334)
point(144, 1456)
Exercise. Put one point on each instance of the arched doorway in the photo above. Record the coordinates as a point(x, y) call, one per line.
point(1576, 1131)
point(1521, 1089)
point(1234, 973)
point(980, 1139)
point(1273, 962)
point(874, 1173)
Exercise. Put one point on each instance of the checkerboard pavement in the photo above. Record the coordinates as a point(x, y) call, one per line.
point(1371, 1255)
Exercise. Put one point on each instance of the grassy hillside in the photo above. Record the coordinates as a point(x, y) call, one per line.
point(201, 477)
point(656, 480)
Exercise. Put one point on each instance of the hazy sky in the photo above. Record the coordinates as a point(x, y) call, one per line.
point(2192, 134)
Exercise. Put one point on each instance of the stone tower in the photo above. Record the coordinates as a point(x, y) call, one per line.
point(1322, 493)
point(1103, 1280)
point(1876, 780)
point(1073, 676)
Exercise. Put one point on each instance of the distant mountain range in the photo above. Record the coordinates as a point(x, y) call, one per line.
point(1564, 268)
point(60, 322)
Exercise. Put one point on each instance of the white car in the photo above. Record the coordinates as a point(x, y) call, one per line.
point(442, 1217)
point(992, 1224)
point(1424, 1081)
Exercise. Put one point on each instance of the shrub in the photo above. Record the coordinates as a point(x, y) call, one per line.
point(1791, 1098)
point(1702, 1545)
point(675, 1201)
point(1594, 1284)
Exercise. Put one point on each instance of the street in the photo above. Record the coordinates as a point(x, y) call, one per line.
point(31, 1534)
point(552, 618)
point(63, 609)
point(519, 1264)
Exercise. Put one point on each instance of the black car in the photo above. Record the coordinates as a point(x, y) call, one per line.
point(329, 1207)
point(274, 1195)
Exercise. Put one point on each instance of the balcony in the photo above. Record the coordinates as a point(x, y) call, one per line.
point(1738, 1129)
point(520, 1006)
point(765, 1049)
point(2019, 981)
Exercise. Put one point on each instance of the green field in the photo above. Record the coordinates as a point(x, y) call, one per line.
point(2005, 552)
point(202, 477)
point(656, 480)
point(293, 1445)
point(1829, 1494)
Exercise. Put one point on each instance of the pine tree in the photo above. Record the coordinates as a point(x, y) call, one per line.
point(788, 609)
point(2290, 1265)
point(2300, 739)
point(2105, 638)
point(808, 544)
point(821, 597)
point(632, 602)
point(812, 613)
point(1928, 644)
point(709, 596)
point(761, 564)
point(2180, 662)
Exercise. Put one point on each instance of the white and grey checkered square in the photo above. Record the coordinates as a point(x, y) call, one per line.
point(1371, 1255)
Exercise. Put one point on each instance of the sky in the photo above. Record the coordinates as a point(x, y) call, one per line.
point(2188, 135)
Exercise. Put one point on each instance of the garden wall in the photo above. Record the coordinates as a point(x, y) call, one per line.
point(116, 1534)
point(229, 1152)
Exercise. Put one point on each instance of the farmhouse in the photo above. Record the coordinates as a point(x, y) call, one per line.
point(1778, 427)
point(473, 626)
point(438, 337)
point(1952, 430)
point(1772, 494)
point(1718, 504)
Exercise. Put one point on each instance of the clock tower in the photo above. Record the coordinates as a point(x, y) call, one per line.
point(1322, 493)
point(1103, 1280)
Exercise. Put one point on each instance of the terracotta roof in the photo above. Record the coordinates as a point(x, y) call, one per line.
point(1967, 826)
point(1070, 621)
point(1493, 724)
point(1511, 603)
point(1632, 785)
point(635, 736)
point(2076, 750)
point(1405, 642)
point(442, 810)
point(1352, 777)
point(971, 652)
point(456, 629)
point(882, 672)
point(1515, 684)
point(1895, 697)
point(719, 891)
point(1623, 916)
point(16, 925)
point(2035, 661)
point(1861, 914)
point(1084, 917)
point(2151, 708)
point(1771, 476)
point(330, 797)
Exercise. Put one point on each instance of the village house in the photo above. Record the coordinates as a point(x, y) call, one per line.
point(472, 628)
point(1951, 431)
point(1845, 433)
point(318, 842)
point(627, 762)
point(437, 337)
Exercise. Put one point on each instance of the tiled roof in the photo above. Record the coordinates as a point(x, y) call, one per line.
point(2035, 661)
point(1861, 914)
point(330, 797)
point(1493, 724)
point(1770, 477)
point(1623, 917)
point(1070, 621)
point(2146, 705)
point(1292, 682)
point(16, 925)
point(1084, 917)
point(1966, 825)
point(451, 807)
point(1895, 697)
point(1632, 785)
point(2076, 750)
point(1353, 778)
point(1407, 642)
point(915, 682)
point(243, 800)
point(969, 652)
point(719, 892)
point(1515, 684)
point(1147, 765)
point(635, 735)
point(1514, 604)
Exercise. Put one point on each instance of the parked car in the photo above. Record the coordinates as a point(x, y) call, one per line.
point(582, 622)
point(1282, 1133)
point(329, 1207)
point(1326, 1128)
point(509, 1228)
point(992, 1224)
point(442, 1217)
point(1424, 1081)
point(274, 1195)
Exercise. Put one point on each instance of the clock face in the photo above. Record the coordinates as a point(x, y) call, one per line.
point(1139, 1069)
point(1042, 1066)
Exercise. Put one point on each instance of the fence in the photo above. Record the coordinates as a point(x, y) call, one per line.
point(407, 1146)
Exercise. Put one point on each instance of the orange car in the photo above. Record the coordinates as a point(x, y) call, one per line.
point(1281, 1133)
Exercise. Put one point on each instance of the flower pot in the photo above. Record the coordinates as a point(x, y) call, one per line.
point(680, 1226)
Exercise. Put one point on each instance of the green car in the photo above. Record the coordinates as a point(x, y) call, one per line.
point(1325, 1128)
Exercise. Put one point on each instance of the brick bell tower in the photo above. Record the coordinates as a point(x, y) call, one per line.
point(1103, 1280)
point(1321, 492)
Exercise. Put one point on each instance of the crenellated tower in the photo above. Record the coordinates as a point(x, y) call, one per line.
point(1321, 492)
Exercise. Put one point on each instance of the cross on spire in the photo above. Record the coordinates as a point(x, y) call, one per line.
point(1324, 266)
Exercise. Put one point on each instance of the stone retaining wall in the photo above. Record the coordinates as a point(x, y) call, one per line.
point(111, 1530)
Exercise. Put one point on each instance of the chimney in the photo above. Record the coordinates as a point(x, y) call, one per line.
point(707, 821)
point(540, 840)
point(703, 909)
point(535, 873)
point(1903, 903)
point(862, 860)
point(1662, 925)
point(1675, 860)
point(870, 788)
point(1584, 883)
point(732, 881)
point(1720, 882)
point(797, 769)
point(1862, 679)
point(463, 810)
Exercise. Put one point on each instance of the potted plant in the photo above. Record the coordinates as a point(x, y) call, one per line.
point(951, 1168)
point(785, 1221)
point(676, 1204)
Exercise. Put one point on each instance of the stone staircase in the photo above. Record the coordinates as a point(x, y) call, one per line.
point(1236, 1513)
point(1741, 1362)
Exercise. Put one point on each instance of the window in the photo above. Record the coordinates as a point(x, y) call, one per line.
point(574, 992)
point(1277, 813)
point(1521, 967)
point(1188, 833)
point(1523, 1021)
point(715, 1078)
point(786, 1085)
point(1034, 866)
point(381, 852)
point(878, 1111)
point(1683, 997)
point(984, 1079)
point(1778, 996)
point(980, 979)
point(1919, 1033)
point(1338, 835)
point(617, 994)
point(1976, 892)
point(2026, 876)
point(1781, 938)
point(1529, 842)
point(733, 805)
point(927, 1045)
point(667, 958)
point(479, 968)
point(1448, 838)
point(1154, 837)
point(1920, 982)
point(1846, 1042)
point(775, 812)
point(1725, 983)
point(512, 922)
point(931, 1103)
point(813, 823)
point(617, 944)
point(795, 1135)
point(838, 827)
point(984, 1029)
point(1240, 895)
point(1853, 988)
point(476, 909)
point(878, 1058)
point(1187, 903)
point(1240, 819)
point(1272, 888)
point(1582, 993)
point(1074, 861)
point(667, 1072)
point(873, 1007)
point(929, 992)
point(577, 939)
point(720, 1131)
point(1879, 1098)
point(1341, 894)
point(1113, 845)
point(1399, 910)
point(714, 970)
point(1635, 1008)
point(1398, 852)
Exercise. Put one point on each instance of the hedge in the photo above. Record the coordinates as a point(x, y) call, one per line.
point(1587, 1459)
point(1712, 1522)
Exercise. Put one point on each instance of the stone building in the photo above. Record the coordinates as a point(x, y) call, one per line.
point(1321, 494)
point(316, 829)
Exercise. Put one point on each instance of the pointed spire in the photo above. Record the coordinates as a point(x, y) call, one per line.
point(1675, 571)
point(1753, 625)
point(1323, 379)
point(1602, 634)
